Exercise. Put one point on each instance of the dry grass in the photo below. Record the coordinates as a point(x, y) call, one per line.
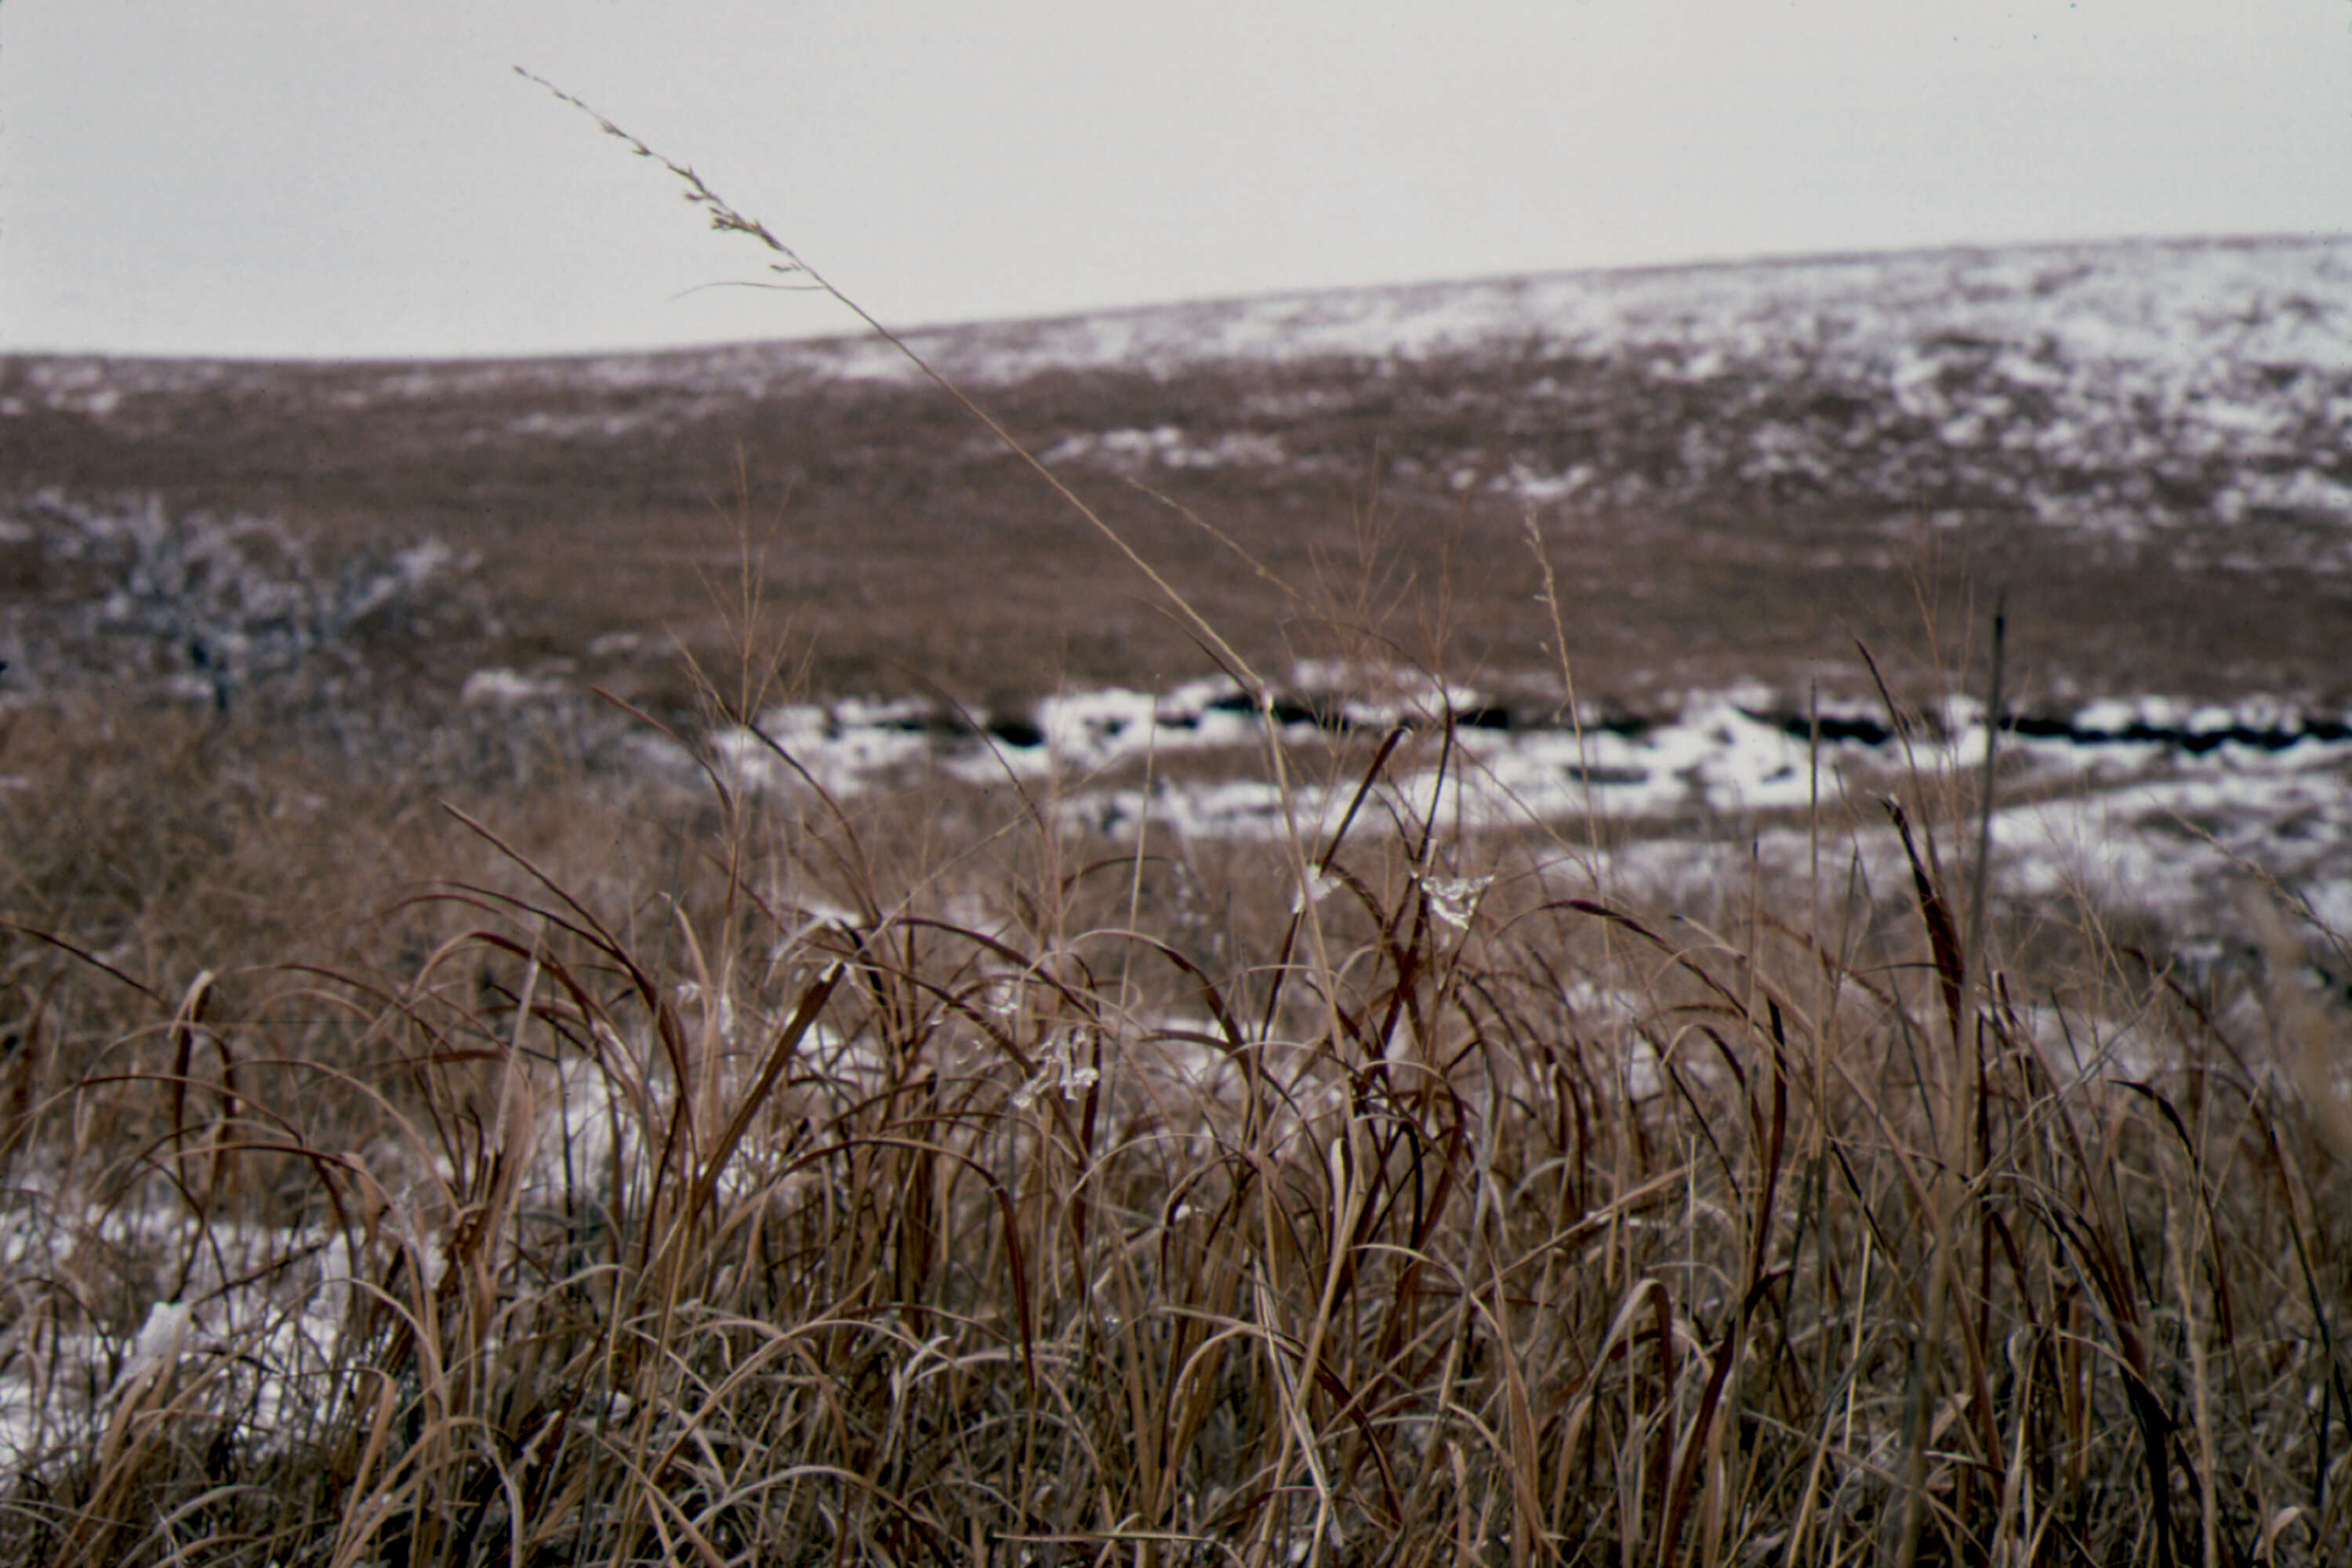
point(904, 549)
point(847, 1196)
point(768, 1178)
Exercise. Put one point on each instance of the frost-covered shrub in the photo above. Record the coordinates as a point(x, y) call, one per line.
point(225, 610)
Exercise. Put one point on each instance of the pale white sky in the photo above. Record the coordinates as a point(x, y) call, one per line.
point(363, 177)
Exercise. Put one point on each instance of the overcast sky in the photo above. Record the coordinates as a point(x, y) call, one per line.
point(361, 177)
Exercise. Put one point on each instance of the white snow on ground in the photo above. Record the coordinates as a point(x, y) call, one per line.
point(2173, 308)
point(842, 747)
point(2162, 846)
point(2183, 844)
point(2172, 329)
point(1167, 447)
point(2101, 386)
point(2149, 802)
point(1087, 731)
point(259, 1312)
point(1715, 757)
point(854, 745)
point(501, 687)
point(2115, 388)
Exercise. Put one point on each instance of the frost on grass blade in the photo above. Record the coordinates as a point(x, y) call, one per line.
point(1453, 900)
point(1317, 885)
point(160, 1338)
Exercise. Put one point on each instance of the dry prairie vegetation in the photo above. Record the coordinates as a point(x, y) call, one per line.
point(608, 1175)
point(428, 1146)
point(901, 548)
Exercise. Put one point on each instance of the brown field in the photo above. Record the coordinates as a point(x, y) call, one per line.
point(897, 547)
point(431, 1137)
